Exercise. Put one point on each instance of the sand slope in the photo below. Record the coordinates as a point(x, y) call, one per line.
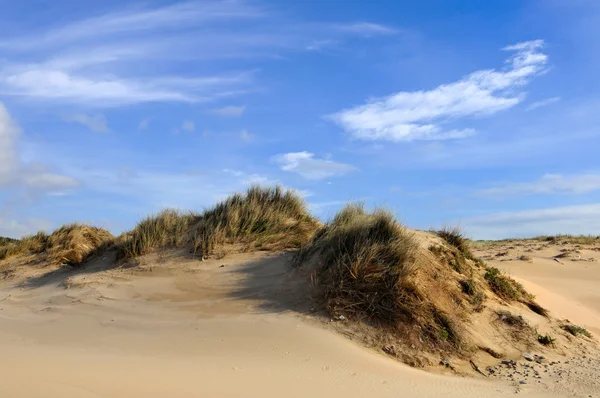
point(206, 331)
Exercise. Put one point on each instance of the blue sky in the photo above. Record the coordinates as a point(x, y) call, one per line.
point(478, 114)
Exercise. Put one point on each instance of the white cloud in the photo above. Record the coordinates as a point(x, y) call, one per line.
point(188, 126)
point(246, 136)
point(229, 111)
point(583, 219)
point(8, 152)
point(306, 165)
point(547, 185)
point(17, 229)
point(97, 122)
point(421, 115)
point(139, 21)
point(96, 61)
point(367, 29)
point(144, 123)
point(42, 83)
point(541, 103)
point(33, 178)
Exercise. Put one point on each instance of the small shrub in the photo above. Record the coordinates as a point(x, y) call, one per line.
point(477, 301)
point(512, 320)
point(546, 340)
point(576, 330)
point(525, 258)
point(468, 286)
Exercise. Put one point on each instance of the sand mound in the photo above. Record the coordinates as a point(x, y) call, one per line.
point(421, 296)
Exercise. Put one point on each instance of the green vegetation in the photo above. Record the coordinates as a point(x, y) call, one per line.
point(468, 286)
point(546, 340)
point(576, 330)
point(504, 286)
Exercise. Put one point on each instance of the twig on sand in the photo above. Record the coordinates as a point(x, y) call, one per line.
point(476, 368)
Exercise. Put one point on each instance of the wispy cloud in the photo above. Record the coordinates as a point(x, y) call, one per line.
point(541, 103)
point(547, 185)
point(188, 126)
point(421, 115)
point(144, 123)
point(229, 111)
point(306, 165)
point(96, 122)
point(366, 28)
point(583, 219)
point(246, 136)
point(94, 61)
point(140, 21)
point(31, 178)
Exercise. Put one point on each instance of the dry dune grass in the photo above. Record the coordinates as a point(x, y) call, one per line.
point(365, 267)
point(70, 244)
point(419, 289)
point(267, 218)
point(73, 244)
point(169, 228)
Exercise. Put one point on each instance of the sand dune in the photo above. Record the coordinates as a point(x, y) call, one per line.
point(236, 327)
point(142, 335)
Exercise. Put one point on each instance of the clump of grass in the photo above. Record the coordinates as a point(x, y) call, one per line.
point(546, 339)
point(504, 286)
point(169, 228)
point(538, 309)
point(31, 244)
point(525, 257)
point(269, 218)
point(74, 243)
point(456, 238)
point(453, 258)
point(468, 286)
point(70, 244)
point(366, 259)
point(511, 319)
point(477, 301)
point(5, 240)
point(576, 330)
point(364, 263)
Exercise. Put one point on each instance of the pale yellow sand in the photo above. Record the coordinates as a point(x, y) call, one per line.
point(213, 332)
